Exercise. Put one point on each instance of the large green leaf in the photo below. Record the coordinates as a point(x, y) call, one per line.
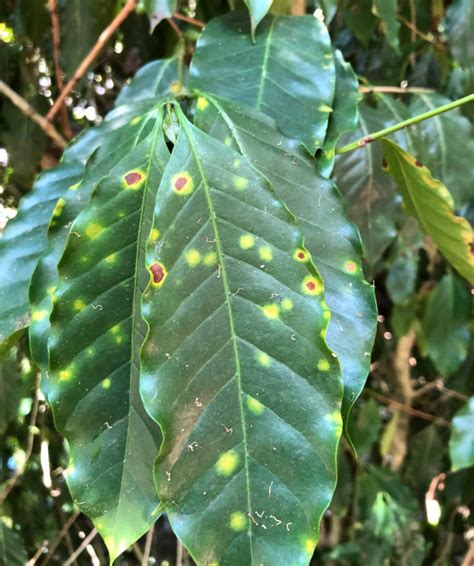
point(293, 85)
point(344, 115)
point(373, 199)
point(331, 239)
point(440, 150)
point(96, 334)
point(445, 327)
point(429, 201)
point(461, 443)
point(235, 369)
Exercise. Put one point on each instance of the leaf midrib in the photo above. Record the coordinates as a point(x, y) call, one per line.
point(266, 54)
point(228, 295)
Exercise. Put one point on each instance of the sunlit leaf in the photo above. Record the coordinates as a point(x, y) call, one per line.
point(235, 368)
point(429, 201)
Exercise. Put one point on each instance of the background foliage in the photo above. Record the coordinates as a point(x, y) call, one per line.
point(407, 498)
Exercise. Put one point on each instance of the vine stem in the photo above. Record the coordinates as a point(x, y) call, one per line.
point(362, 142)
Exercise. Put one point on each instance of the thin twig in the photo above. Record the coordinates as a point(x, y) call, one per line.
point(189, 20)
point(176, 29)
point(58, 72)
point(412, 31)
point(396, 89)
point(10, 484)
point(406, 409)
point(29, 111)
point(148, 541)
point(179, 553)
point(424, 36)
point(92, 55)
point(37, 554)
point(80, 549)
point(62, 533)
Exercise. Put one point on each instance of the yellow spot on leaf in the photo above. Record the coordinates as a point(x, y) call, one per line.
point(301, 255)
point(78, 305)
point(115, 329)
point(238, 521)
point(228, 140)
point(154, 235)
point(93, 230)
point(264, 359)
point(324, 108)
point(210, 259)
point(65, 375)
point(255, 406)
point(202, 103)
point(175, 87)
point(247, 241)
point(271, 310)
point(106, 383)
point(335, 418)
point(50, 290)
point(193, 257)
point(58, 209)
point(309, 545)
point(135, 120)
point(286, 305)
point(236, 163)
point(74, 187)
point(39, 315)
point(323, 365)
point(323, 333)
point(182, 183)
point(227, 463)
point(350, 266)
point(265, 253)
point(240, 183)
point(312, 286)
point(111, 258)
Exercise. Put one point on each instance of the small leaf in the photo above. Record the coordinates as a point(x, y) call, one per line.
point(429, 201)
point(158, 10)
point(12, 547)
point(445, 328)
point(387, 11)
point(461, 443)
point(96, 335)
point(258, 9)
point(234, 367)
point(459, 25)
point(360, 20)
point(293, 86)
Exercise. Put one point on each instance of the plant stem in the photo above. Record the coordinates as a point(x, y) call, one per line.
point(362, 142)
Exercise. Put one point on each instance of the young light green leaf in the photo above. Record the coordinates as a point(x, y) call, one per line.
point(445, 328)
point(292, 85)
point(96, 334)
point(387, 11)
point(429, 201)
point(461, 443)
point(234, 368)
point(258, 9)
point(331, 239)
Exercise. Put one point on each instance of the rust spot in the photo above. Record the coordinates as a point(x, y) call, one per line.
point(133, 178)
point(310, 285)
point(180, 183)
point(384, 163)
point(418, 163)
point(158, 273)
point(301, 255)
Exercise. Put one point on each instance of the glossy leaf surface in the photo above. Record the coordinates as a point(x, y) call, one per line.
point(461, 443)
point(235, 369)
point(97, 331)
point(258, 9)
point(430, 202)
point(260, 74)
point(331, 239)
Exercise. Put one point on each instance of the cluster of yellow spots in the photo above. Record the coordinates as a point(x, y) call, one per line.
point(254, 406)
point(93, 230)
point(154, 235)
point(240, 183)
point(238, 521)
point(301, 255)
point(312, 286)
point(326, 311)
point(271, 310)
point(192, 257)
point(106, 383)
point(210, 259)
point(323, 365)
point(247, 241)
point(78, 305)
point(324, 108)
point(38, 315)
point(265, 253)
point(182, 183)
point(65, 374)
point(286, 305)
point(202, 103)
point(227, 463)
point(263, 359)
point(112, 258)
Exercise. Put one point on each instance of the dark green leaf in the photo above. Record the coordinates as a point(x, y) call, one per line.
point(331, 239)
point(387, 11)
point(401, 278)
point(235, 369)
point(461, 443)
point(430, 203)
point(158, 10)
point(364, 426)
point(12, 548)
point(11, 390)
point(445, 328)
point(360, 20)
point(293, 85)
point(459, 26)
point(97, 331)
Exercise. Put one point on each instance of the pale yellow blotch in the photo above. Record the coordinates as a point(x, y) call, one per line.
point(210, 259)
point(175, 87)
point(326, 314)
point(58, 209)
point(287, 304)
point(118, 339)
point(271, 310)
point(78, 305)
point(74, 187)
point(265, 253)
point(112, 258)
point(335, 418)
point(263, 359)
point(115, 329)
point(323, 365)
point(121, 214)
point(65, 374)
point(202, 103)
point(236, 163)
point(193, 257)
point(330, 153)
point(240, 183)
point(154, 235)
point(228, 140)
point(39, 315)
point(323, 333)
point(254, 406)
point(135, 120)
point(309, 545)
point(247, 241)
point(324, 108)
point(238, 521)
point(227, 463)
point(106, 383)
point(50, 290)
point(93, 230)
